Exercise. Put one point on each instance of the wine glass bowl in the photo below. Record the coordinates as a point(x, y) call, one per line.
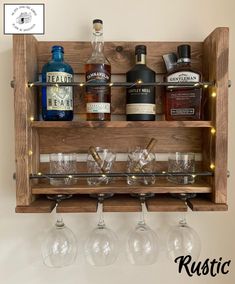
point(101, 248)
point(59, 247)
point(183, 240)
point(143, 245)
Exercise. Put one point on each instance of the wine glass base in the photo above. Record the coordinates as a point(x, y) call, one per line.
point(59, 197)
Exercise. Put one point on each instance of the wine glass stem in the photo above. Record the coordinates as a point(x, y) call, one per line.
point(142, 215)
point(101, 215)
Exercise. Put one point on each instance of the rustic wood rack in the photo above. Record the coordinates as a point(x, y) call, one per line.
point(35, 138)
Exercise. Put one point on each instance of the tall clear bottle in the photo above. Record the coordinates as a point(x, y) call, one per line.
point(57, 101)
point(98, 70)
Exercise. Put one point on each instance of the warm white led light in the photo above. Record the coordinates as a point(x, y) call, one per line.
point(111, 84)
point(39, 174)
point(213, 130)
point(30, 152)
point(213, 94)
point(81, 85)
point(31, 118)
point(139, 81)
point(212, 166)
point(205, 86)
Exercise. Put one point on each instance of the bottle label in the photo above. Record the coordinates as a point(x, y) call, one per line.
point(98, 107)
point(141, 109)
point(183, 76)
point(59, 97)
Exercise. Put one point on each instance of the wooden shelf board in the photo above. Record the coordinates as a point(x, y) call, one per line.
point(37, 206)
point(200, 204)
point(119, 124)
point(120, 187)
point(166, 204)
point(81, 204)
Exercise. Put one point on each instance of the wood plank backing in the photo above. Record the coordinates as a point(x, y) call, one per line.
point(81, 204)
point(25, 69)
point(120, 54)
point(200, 204)
point(119, 124)
point(119, 139)
point(121, 187)
point(165, 204)
point(37, 206)
point(121, 203)
point(216, 69)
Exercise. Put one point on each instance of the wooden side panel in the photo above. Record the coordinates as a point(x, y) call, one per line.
point(120, 54)
point(25, 69)
point(215, 61)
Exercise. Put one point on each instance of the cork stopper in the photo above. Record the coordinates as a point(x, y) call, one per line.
point(98, 25)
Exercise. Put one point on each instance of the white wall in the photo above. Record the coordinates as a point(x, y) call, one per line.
point(20, 235)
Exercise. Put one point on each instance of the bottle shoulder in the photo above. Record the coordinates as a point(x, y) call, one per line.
point(98, 59)
point(182, 69)
point(55, 66)
point(142, 68)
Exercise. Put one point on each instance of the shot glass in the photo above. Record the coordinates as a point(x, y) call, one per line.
point(181, 163)
point(61, 163)
point(140, 161)
point(108, 158)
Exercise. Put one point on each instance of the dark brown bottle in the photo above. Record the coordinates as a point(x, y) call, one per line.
point(183, 103)
point(140, 100)
point(98, 70)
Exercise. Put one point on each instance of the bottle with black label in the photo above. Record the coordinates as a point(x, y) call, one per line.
point(57, 101)
point(183, 103)
point(98, 70)
point(140, 100)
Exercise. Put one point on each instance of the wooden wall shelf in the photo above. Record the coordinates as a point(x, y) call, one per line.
point(33, 138)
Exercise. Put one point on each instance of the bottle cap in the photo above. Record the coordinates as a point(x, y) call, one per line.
point(184, 51)
point(170, 61)
point(57, 48)
point(97, 21)
point(140, 49)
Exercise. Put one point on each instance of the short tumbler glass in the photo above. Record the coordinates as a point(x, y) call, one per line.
point(108, 158)
point(181, 163)
point(140, 161)
point(61, 163)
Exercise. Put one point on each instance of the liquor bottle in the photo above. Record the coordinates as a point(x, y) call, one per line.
point(183, 103)
point(98, 70)
point(57, 101)
point(140, 100)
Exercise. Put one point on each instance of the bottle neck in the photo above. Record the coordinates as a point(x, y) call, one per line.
point(58, 56)
point(97, 43)
point(184, 62)
point(140, 59)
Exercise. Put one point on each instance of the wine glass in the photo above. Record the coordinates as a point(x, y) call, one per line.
point(183, 240)
point(102, 245)
point(59, 247)
point(143, 244)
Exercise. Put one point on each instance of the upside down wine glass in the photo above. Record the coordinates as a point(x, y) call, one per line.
point(59, 247)
point(102, 245)
point(143, 244)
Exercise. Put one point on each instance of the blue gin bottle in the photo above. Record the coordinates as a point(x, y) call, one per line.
point(57, 101)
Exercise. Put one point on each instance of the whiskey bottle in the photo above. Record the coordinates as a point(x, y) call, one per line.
point(98, 70)
point(183, 103)
point(57, 101)
point(140, 100)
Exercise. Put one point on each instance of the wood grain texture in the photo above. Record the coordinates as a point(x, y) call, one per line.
point(77, 53)
point(81, 204)
point(56, 140)
point(37, 206)
point(121, 203)
point(165, 204)
point(119, 124)
point(121, 187)
point(215, 60)
point(200, 204)
point(25, 69)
